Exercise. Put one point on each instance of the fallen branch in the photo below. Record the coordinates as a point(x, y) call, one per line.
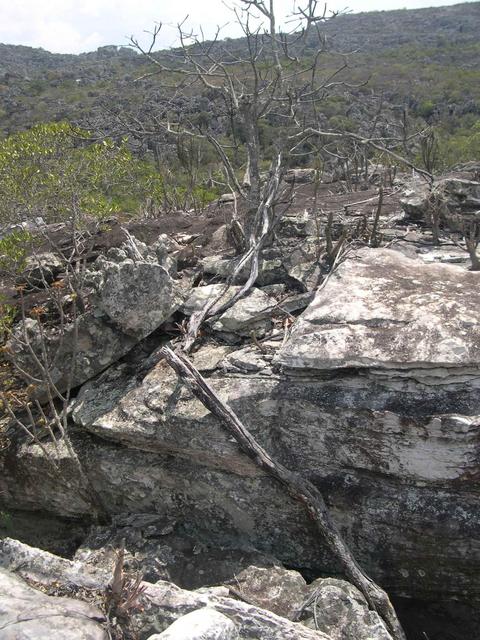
point(300, 489)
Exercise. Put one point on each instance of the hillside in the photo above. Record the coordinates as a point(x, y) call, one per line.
point(427, 60)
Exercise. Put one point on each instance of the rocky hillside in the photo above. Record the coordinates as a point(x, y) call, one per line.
point(360, 375)
point(244, 412)
point(426, 60)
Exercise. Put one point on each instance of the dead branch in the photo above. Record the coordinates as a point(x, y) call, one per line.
point(301, 490)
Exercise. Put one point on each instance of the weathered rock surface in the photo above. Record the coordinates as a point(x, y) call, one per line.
point(251, 313)
point(279, 590)
point(41, 269)
point(449, 196)
point(28, 614)
point(134, 288)
point(339, 610)
point(163, 606)
point(154, 549)
point(200, 296)
point(134, 293)
point(164, 603)
point(202, 624)
point(386, 426)
point(380, 310)
point(47, 569)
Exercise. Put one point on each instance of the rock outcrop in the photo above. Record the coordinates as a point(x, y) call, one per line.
point(373, 397)
point(267, 603)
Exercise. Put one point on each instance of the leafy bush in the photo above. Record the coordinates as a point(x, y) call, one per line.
point(55, 171)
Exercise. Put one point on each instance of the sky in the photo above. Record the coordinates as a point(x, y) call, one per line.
point(75, 26)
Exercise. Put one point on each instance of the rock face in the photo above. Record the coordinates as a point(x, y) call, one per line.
point(28, 614)
point(164, 603)
point(386, 425)
point(291, 608)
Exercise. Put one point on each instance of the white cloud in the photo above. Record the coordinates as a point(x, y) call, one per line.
point(83, 25)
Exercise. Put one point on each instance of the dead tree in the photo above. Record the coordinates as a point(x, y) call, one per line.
point(269, 80)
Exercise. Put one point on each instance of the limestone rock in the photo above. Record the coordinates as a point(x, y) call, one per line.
point(202, 624)
point(384, 310)
point(31, 615)
point(164, 603)
point(340, 611)
point(135, 290)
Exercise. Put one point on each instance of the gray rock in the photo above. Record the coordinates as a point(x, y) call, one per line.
point(41, 269)
point(251, 313)
point(134, 294)
point(384, 310)
point(47, 569)
point(164, 604)
point(270, 271)
point(227, 198)
point(136, 291)
point(28, 614)
point(98, 344)
point(156, 550)
point(393, 445)
point(276, 589)
point(451, 195)
point(339, 610)
point(415, 201)
point(199, 297)
point(202, 624)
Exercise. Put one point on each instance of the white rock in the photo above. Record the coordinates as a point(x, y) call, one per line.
point(202, 624)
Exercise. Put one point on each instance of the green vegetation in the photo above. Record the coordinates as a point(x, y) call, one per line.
point(14, 250)
point(57, 172)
